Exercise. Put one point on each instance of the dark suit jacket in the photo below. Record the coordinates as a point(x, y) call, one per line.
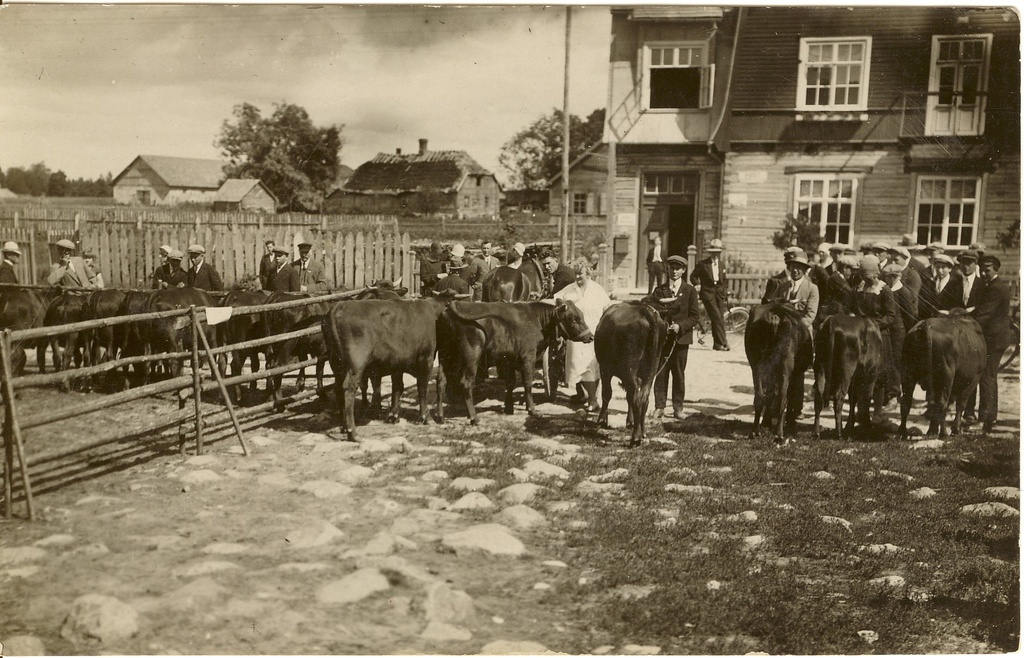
point(313, 277)
point(267, 265)
point(7, 273)
point(284, 280)
point(683, 309)
point(702, 274)
point(952, 296)
point(205, 279)
point(561, 277)
point(993, 314)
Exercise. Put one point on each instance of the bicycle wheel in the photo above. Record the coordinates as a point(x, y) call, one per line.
point(736, 320)
point(1013, 351)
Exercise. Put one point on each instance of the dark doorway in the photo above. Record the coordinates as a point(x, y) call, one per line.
point(680, 229)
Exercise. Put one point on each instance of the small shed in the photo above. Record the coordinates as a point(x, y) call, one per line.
point(244, 194)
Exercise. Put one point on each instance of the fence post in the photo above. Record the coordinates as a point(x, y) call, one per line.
point(12, 434)
point(691, 257)
point(17, 220)
point(197, 391)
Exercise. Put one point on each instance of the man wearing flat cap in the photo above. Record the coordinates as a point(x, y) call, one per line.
point(947, 290)
point(709, 275)
point(176, 277)
point(683, 316)
point(772, 285)
point(11, 256)
point(268, 263)
point(162, 272)
point(800, 291)
point(70, 271)
point(993, 314)
point(200, 273)
point(284, 277)
point(970, 279)
point(312, 277)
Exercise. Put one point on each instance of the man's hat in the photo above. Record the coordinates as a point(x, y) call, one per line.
point(66, 244)
point(790, 252)
point(881, 246)
point(196, 249)
point(277, 250)
point(989, 259)
point(799, 258)
point(970, 254)
point(867, 245)
point(715, 246)
point(892, 268)
point(677, 261)
point(940, 246)
point(943, 258)
point(456, 264)
point(519, 248)
point(849, 260)
point(175, 254)
point(869, 264)
point(166, 248)
point(458, 251)
point(901, 250)
point(838, 246)
point(303, 246)
point(824, 246)
point(11, 247)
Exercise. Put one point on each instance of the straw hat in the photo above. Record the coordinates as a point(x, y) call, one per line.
point(715, 246)
point(66, 244)
point(11, 247)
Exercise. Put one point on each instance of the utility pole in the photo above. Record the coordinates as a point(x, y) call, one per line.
point(564, 232)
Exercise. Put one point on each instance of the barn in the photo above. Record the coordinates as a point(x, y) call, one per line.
point(428, 182)
point(160, 180)
point(244, 194)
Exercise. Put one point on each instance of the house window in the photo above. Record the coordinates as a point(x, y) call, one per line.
point(947, 210)
point(833, 74)
point(142, 196)
point(957, 85)
point(677, 76)
point(828, 200)
point(670, 184)
point(579, 203)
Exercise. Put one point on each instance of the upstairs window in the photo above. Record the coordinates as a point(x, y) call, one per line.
point(947, 210)
point(833, 74)
point(828, 199)
point(677, 76)
point(958, 84)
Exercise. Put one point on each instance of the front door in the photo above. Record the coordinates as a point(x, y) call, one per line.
point(680, 229)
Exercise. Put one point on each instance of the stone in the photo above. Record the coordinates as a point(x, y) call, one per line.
point(19, 572)
point(893, 582)
point(490, 538)
point(99, 617)
point(302, 567)
point(985, 510)
point(896, 474)
point(870, 637)
point(326, 489)
point(617, 475)
point(602, 650)
point(437, 503)
point(203, 568)
point(399, 444)
point(689, 488)
point(552, 445)
point(370, 446)
point(316, 534)
point(555, 564)
point(512, 648)
point(1001, 493)
point(397, 565)
point(713, 585)
point(19, 554)
point(682, 472)
point(261, 441)
point(311, 438)
point(518, 474)
point(434, 476)
point(923, 492)
point(753, 541)
point(823, 475)
point(202, 476)
point(440, 632)
point(354, 587)
point(224, 548)
point(588, 488)
point(385, 543)
point(23, 645)
point(355, 474)
point(471, 484)
point(447, 605)
point(748, 516)
point(382, 507)
point(835, 520)
point(881, 549)
point(561, 506)
point(202, 460)
point(326, 448)
point(158, 542)
point(92, 549)
point(633, 592)
point(55, 540)
point(538, 469)
point(521, 517)
point(927, 444)
point(519, 493)
point(94, 498)
point(541, 587)
point(199, 592)
point(471, 501)
point(640, 650)
point(423, 520)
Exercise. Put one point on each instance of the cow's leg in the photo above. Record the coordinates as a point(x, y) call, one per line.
point(282, 354)
point(526, 371)
point(347, 389)
point(819, 402)
point(469, 365)
point(507, 371)
point(397, 388)
point(606, 398)
point(636, 403)
point(422, 386)
point(237, 363)
point(41, 345)
point(643, 397)
point(440, 385)
point(782, 393)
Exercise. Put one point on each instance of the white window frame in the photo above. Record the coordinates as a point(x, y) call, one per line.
point(933, 83)
point(707, 74)
point(865, 77)
point(948, 202)
point(826, 179)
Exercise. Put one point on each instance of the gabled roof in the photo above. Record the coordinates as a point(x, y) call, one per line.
point(678, 12)
point(182, 172)
point(597, 151)
point(440, 171)
point(234, 189)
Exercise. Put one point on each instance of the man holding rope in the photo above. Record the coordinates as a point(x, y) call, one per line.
point(682, 300)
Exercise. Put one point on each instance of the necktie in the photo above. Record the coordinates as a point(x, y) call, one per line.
point(714, 272)
point(968, 281)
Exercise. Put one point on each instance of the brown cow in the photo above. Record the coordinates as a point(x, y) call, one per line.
point(241, 328)
point(292, 319)
point(507, 284)
point(23, 309)
point(513, 335)
point(628, 342)
point(848, 354)
point(946, 356)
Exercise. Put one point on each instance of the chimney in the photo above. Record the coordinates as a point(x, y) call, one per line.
point(423, 146)
point(398, 151)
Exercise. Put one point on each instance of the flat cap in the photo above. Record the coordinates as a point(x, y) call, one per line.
point(944, 259)
point(676, 260)
point(66, 244)
point(277, 250)
point(837, 246)
point(519, 248)
point(970, 254)
point(166, 248)
point(305, 245)
point(941, 246)
point(901, 250)
point(175, 254)
point(892, 269)
point(458, 251)
point(849, 260)
point(869, 264)
point(196, 249)
point(799, 258)
point(881, 246)
point(824, 246)
point(989, 259)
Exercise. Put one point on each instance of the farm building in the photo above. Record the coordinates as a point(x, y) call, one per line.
point(525, 201)
point(158, 180)
point(244, 194)
point(427, 182)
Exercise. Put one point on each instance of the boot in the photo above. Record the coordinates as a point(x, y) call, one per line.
point(591, 390)
point(581, 395)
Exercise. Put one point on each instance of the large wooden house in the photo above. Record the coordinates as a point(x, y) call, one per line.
point(159, 180)
point(426, 182)
point(877, 122)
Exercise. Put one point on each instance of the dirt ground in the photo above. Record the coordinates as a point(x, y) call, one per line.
point(230, 554)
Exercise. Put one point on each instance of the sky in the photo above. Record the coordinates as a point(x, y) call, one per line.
point(88, 88)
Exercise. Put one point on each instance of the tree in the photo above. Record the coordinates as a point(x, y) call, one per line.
point(296, 160)
point(534, 155)
point(1009, 238)
point(58, 184)
point(798, 230)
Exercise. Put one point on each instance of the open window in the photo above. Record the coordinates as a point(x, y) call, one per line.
point(677, 76)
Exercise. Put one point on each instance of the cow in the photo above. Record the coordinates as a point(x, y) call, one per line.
point(946, 356)
point(512, 335)
point(23, 309)
point(240, 328)
point(847, 359)
point(167, 334)
point(104, 304)
point(132, 339)
point(628, 342)
point(779, 351)
point(73, 346)
point(507, 284)
point(292, 319)
point(385, 336)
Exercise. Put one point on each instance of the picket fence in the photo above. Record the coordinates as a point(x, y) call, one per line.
point(127, 256)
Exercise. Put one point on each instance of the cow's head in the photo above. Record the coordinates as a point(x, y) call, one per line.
point(571, 324)
point(664, 308)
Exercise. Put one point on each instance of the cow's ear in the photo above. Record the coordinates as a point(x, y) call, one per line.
point(559, 302)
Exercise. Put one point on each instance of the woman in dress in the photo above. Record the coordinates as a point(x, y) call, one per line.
point(580, 359)
point(874, 300)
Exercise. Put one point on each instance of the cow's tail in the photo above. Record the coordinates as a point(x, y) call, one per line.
point(329, 329)
point(930, 366)
point(460, 313)
point(655, 342)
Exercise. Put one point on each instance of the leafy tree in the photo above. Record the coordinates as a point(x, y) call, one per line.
point(798, 230)
point(534, 155)
point(3, 178)
point(1010, 238)
point(58, 184)
point(295, 159)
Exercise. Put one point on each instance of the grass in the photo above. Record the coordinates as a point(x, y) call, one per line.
point(678, 571)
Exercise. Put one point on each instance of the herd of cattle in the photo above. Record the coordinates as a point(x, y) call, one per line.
point(379, 333)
